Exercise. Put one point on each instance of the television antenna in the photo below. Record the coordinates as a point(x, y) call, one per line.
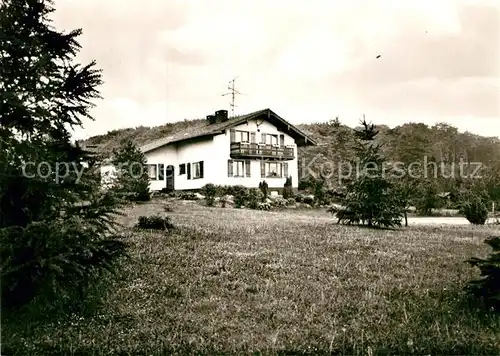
point(233, 92)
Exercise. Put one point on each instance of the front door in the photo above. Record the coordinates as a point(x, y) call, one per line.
point(170, 177)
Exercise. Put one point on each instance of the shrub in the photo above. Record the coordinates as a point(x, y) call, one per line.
point(427, 198)
point(474, 210)
point(488, 287)
point(240, 194)
point(290, 202)
point(210, 192)
point(188, 196)
point(279, 202)
point(254, 197)
point(224, 200)
point(264, 206)
point(264, 188)
point(225, 190)
point(307, 183)
point(155, 222)
point(308, 199)
point(287, 189)
point(319, 192)
point(299, 198)
point(132, 181)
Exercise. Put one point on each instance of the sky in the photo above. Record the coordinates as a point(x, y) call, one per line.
point(308, 61)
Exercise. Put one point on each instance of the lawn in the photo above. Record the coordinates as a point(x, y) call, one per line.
point(238, 281)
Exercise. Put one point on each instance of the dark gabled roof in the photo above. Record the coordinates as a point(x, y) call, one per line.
point(205, 129)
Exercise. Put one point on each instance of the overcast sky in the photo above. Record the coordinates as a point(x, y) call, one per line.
point(309, 61)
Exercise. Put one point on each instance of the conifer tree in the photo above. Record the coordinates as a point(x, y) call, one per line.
point(371, 197)
point(56, 226)
point(133, 179)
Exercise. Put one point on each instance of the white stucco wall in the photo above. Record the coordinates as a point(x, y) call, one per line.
point(190, 152)
point(165, 155)
point(187, 153)
point(221, 147)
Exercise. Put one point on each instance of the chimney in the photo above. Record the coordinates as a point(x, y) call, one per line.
point(221, 115)
point(211, 119)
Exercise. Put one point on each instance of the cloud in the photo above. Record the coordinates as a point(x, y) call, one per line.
point(309, 61)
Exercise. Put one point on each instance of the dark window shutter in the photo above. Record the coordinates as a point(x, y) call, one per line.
point(263, 138)
point(252, 137)
point(161, 172)
point(247, 168)
point(262, 169)
point(230, 168)
point(232, 135)
point(201, 169)
point(188, 167)
point(285, 169)
point(282, 140)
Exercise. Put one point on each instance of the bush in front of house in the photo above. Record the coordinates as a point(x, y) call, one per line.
point(132, 181)
point(188, 196)
point(474, 209)
point(488, 286)
point(290, 202)
point(264, 188)
point(287, 189)
point(279, 203)
point(155, 222)
point(303, 198)
point(240, 194)
point(210, 192)
point(264, 206)
point(224, 200)
point(254, 197)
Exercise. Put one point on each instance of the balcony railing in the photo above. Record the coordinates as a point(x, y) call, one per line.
point(255, 150)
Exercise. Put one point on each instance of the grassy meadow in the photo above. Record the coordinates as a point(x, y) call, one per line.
point(237, 281)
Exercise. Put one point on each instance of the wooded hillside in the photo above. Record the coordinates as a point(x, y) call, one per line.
point(410, 142)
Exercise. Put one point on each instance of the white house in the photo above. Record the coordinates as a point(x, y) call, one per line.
point(242, 150)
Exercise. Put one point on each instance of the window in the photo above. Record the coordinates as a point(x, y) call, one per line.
point(153, 171)
point(273, 169)
point(239, 136)
point(197, 170)
point(182, 169)
point(269, 139)
point(272, 139)
point(243, 136)
point(237, 168)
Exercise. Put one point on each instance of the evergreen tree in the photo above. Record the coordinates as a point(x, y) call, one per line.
point(371, 197)
point(56, 226)
point(488, 286)
point(133, 179)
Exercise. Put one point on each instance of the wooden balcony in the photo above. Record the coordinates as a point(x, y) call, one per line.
point(254, 150)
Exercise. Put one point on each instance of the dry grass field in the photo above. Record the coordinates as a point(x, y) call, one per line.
point(237, 281)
